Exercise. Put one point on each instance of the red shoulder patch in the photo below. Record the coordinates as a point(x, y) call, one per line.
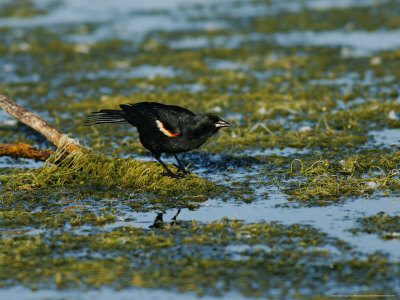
point(165, 131)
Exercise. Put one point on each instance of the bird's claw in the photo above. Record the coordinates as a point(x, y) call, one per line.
point(184, 171)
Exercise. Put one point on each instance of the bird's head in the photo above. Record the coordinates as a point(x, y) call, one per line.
point(211, 123)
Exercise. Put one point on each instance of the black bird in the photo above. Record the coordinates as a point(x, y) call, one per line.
point(163, 128)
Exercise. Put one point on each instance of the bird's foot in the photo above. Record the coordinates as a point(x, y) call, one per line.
point(173, 175)
point(184, 171)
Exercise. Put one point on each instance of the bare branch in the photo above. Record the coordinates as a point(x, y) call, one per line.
point(37, 123)
point(24, 150)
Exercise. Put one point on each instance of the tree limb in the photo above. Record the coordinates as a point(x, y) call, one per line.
point(37, 123)
point(24, 150)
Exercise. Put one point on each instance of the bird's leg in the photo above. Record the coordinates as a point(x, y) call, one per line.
point(158, 222)
point(176, 215)
point(181, 167)
point(169, 172)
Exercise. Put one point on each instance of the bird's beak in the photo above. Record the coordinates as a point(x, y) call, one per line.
point(222, 123)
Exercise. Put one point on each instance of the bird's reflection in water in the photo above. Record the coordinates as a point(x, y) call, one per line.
point(159, 221)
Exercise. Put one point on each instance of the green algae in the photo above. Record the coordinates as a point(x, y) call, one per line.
point(88, 168)
point(20, 9)
point(386, 226)
point(190, 256)
point(75, 215)
point(317, 122)
point(53, 195)
point(371, 17)
point(350, 176)
point(375, 16)
point(311, 98)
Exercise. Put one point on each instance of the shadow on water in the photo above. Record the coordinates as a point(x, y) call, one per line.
point(159, 220)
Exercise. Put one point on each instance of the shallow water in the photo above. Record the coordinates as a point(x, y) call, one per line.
point(359, 42)
point(387, 137)
point(216, 70)
point(334, 219)
point(354, 43)
point(20, 163)
point(120, 19)
point(106, 293)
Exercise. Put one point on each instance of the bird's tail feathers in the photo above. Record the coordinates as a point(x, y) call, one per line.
point(105, 116)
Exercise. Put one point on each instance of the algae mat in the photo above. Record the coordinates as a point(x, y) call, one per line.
point(299, 199)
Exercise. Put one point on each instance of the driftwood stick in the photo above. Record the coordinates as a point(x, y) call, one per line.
point(24, 150)
point(37, 123)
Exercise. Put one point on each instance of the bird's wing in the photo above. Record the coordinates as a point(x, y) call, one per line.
point(170, 120)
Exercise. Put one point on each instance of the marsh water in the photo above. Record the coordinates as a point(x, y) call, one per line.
point(300, 198)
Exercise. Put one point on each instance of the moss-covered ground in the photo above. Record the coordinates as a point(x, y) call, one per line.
point(308, 118)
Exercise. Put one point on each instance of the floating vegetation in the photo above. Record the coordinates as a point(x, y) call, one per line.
point(216, 257)
point(386, 226)
point(20, 9)
point(326, 180)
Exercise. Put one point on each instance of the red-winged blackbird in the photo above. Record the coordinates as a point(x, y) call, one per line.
point(163, 128)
